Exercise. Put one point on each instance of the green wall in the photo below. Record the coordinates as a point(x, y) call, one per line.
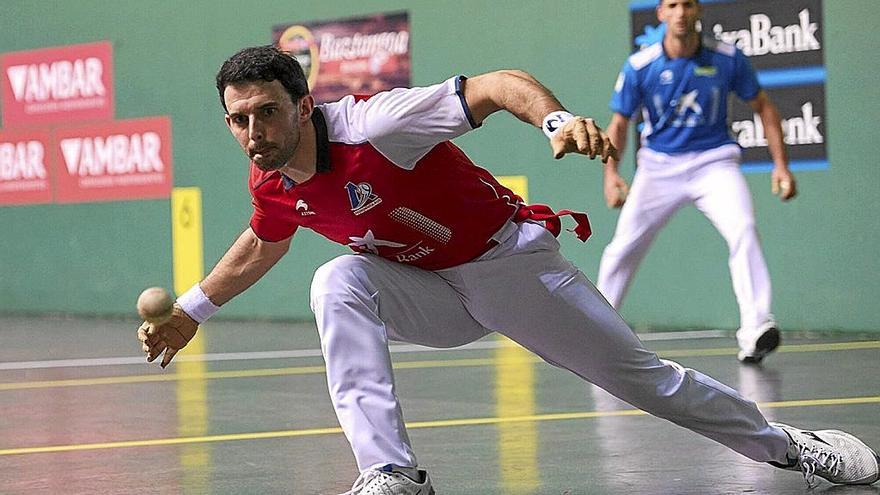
point(95, 258)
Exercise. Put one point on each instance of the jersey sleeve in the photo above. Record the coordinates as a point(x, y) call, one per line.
point(745, 82)
point(627, 97)
point(405, 123)
point(266, 226)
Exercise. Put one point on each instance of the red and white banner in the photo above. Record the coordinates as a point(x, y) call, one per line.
point(56, 85)
point(25, 167)
point(119, 160)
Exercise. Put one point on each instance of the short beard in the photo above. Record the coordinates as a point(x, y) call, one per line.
point(269, 167)
point(283, 157)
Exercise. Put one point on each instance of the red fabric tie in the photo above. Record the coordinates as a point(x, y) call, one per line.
point(552, 222)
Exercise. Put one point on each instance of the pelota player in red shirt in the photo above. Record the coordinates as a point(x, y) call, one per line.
point(445, 255)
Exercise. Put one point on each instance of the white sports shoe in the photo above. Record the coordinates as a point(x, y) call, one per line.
point(387, 480)
point(757, 342)
point(834, 455)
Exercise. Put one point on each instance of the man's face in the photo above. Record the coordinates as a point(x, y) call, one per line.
point(680, 16)
point(265, 121)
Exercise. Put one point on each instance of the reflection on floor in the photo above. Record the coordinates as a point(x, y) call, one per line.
point(485, 419)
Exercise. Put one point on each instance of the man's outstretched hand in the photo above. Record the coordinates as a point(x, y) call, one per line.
point(169, 337)
point(582, 135)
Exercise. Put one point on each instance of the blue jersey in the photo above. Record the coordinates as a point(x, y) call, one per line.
point(684, 100)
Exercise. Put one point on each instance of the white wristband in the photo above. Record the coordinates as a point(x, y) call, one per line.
point(196, 304)
point(553, 122)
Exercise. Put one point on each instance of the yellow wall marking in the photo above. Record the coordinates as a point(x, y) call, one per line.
point(192, 386)
point(519, 184)
point(186, 235)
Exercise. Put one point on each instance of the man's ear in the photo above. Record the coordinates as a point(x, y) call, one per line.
point(306, 107)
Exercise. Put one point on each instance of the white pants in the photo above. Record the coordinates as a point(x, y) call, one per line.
point(713, 182)
point(524, 289)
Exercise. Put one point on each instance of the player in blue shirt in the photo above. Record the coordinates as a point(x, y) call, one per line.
point(688, 157)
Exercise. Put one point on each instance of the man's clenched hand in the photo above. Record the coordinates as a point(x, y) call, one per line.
point(582, 135)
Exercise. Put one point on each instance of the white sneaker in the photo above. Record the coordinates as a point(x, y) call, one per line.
point(388, 480)
point(834, 455)
point(757, 342)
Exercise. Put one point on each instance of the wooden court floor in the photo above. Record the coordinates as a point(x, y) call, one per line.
point(246, 412)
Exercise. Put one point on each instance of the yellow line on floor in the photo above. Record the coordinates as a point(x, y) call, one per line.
point(436, 363)
point(445, 423)
point(786, 348)
point(843, 401)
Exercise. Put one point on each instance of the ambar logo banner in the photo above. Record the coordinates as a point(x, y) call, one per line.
point(25, 167)
point(54, 85)
point(784, 41)
point(120, 160)
point(359, 55)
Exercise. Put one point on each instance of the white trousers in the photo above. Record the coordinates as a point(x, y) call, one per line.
point(524, 289)
point(713, 182)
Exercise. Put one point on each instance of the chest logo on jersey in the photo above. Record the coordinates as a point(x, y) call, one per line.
point(303, 208)
point(666, 77)
point(361, 197)
point(688, 102)
point(707, 71)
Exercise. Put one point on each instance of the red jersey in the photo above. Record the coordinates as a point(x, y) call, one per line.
point(389, 182)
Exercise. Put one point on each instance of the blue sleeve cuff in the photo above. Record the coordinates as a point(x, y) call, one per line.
point(621, 111)
point(752, 97)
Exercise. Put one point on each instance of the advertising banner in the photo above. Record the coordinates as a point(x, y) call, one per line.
point(802, 110)
point(118, 160)
point(784, 42)
point(57, 85)
point(25, 167)
point(359, 55)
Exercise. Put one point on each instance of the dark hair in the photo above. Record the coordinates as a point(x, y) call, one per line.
point(266, 63)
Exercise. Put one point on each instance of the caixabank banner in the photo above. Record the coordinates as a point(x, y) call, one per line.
point(784, 42)
point(358, 55)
